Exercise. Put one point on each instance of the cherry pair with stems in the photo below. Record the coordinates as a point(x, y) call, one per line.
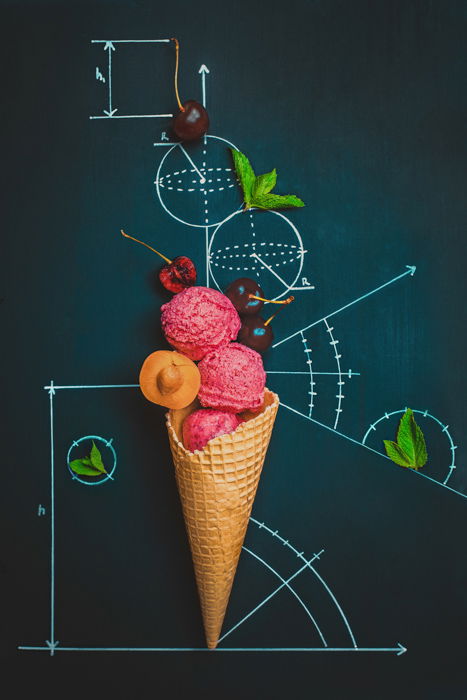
point(245, 294)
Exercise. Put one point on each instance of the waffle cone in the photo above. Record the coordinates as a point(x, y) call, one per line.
point(217, 487)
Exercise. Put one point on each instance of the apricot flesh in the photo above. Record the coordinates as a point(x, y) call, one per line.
point(169, 379)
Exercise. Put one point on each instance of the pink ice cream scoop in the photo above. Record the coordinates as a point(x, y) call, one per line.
point(232, 379)
point(204, 425)
point(199, 320)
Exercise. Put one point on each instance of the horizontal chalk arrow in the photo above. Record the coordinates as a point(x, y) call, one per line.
point(399, 650)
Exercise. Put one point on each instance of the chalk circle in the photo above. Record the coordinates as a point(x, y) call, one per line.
point(436, 422)
point(93, 480)
point(235, 241)
point(178, 182)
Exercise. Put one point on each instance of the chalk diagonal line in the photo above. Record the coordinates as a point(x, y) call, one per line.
point(410, 271)
point(285, 583)
point(202, 179)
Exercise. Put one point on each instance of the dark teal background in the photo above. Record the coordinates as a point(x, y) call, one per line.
point(361, 107)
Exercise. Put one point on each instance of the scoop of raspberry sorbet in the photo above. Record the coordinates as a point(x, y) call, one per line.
point(232, 379)
point(199, 320)
point(204, 425)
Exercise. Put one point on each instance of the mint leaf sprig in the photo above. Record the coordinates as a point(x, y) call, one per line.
point(409, 450)
point(92, 465)
point(257, 188)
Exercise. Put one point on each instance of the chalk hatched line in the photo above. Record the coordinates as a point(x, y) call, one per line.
point(340, 374)
point(340, 382)
point(52, 645)
point(309, 362)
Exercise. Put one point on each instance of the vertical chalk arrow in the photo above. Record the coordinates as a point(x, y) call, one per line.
point(203, 71)
point(108, 46)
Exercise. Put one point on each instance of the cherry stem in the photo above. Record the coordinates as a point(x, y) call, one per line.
point(147, 246)
point(272, 301)
point(286, 301)
point(177, 51)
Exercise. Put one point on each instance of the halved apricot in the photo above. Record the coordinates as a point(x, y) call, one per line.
point(169, 379)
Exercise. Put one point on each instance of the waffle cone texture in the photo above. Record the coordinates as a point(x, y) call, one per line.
point(217, 487)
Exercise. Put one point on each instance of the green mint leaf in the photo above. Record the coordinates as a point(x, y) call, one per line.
point(406, 434)
point(264, 184)
point(396, 453)
point(257, 190)
point(277, 201)
point(96, 459)
point(410, 439)
point(410, 449)
point(80, 466)
point(421, 455)
point(245, 174)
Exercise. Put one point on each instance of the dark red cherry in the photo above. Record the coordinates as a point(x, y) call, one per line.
point(192, 123)
point(177, 275)
point(238, 293)
point(255, 334)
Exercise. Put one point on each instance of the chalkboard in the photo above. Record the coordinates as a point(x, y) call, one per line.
point(353, 577)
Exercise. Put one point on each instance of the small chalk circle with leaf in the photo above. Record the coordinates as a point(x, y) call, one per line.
point(92, 465)
point(409, 450)
point(257, 188)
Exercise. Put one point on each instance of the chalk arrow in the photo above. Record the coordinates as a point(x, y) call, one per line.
point(109, 47)
point(204, 70)
point(52, 646)
point(410, 271)
point(399, 650)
